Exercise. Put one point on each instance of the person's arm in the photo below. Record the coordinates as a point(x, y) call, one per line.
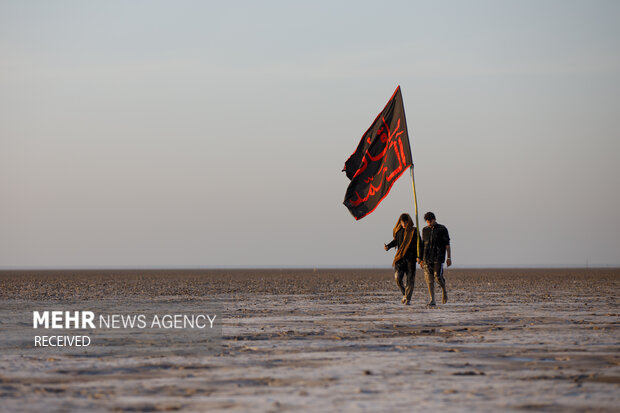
point(390, 245)
point(419, 258)
point(448, 249)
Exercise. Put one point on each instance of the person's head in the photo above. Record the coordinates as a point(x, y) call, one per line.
point(405, 220)
point(429, 217)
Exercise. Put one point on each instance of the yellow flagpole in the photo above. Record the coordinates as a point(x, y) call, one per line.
point(415, 203)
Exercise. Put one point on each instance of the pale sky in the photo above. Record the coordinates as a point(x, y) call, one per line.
point(213, 134)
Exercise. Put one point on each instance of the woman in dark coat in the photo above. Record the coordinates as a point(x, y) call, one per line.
point(406, 239)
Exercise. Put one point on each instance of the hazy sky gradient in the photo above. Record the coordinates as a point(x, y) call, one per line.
point(208, 134)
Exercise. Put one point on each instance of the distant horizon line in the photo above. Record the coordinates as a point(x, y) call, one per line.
point(268, 267)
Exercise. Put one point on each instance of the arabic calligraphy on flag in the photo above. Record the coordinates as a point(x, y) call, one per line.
point(381, 157)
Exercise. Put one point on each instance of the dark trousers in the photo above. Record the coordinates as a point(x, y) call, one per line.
point(405, 277)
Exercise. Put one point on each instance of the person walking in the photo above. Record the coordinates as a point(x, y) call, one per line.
point(406, 239)
point(436, 244)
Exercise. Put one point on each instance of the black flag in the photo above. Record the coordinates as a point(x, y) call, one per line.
point(380, 159)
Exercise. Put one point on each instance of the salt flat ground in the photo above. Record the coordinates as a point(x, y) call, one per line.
point(339, 340)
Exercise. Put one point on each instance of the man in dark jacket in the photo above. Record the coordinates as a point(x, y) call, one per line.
point(406, 239)
point(436, 244)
